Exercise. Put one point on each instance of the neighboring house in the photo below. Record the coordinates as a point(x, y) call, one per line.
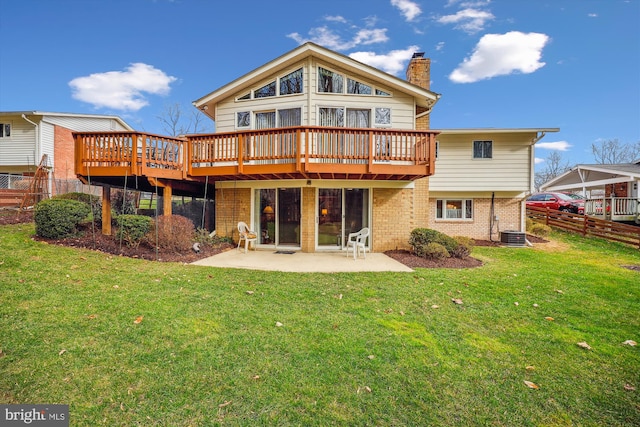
point(611, 191)
point(314, 145)
point(27, 136)
point(481, 178)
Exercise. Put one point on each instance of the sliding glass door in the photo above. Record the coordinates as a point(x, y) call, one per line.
point(278, 213)
point(340, 211)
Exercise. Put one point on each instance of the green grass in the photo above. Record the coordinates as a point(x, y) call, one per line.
point(353, 349)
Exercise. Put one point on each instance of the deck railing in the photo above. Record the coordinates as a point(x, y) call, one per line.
point(130, 153)
point(301, 150)
point(310, 148)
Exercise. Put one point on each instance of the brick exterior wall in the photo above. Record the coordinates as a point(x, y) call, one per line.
point(232, 205)
point(508, 212)
point(308, 220)
point(63, 153)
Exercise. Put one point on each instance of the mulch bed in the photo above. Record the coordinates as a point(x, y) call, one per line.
point(95, 240)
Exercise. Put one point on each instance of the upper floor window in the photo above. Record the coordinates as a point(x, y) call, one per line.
point(291, 83)
point(328, 81)
point(5, 130)
point(243, 119)
point(482, 149)
point(265, 91)
point(382, 93)
point(357, 87)
point(383, 116)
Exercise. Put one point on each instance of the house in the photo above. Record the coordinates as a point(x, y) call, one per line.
point(315, 145)
point(29, 138)
point(611, 191)
point(481, 178)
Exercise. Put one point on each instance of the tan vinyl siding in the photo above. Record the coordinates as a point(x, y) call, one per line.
point(402, 105)
point(85, 124)
point(507, 170)
point(20, 147)
point(47, 136)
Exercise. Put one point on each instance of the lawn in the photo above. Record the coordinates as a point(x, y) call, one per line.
point(129, 342)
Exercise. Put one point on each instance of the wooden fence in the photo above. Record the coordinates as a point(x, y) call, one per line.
point(587, 225)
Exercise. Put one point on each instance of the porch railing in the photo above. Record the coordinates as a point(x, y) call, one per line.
point(612, 207)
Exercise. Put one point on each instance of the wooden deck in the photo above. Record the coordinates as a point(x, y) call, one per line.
point(282, 153)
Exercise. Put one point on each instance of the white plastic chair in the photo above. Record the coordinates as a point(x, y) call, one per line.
point(357, 241)
point(244, 233)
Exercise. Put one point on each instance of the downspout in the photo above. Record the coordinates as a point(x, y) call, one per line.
point(37, 130)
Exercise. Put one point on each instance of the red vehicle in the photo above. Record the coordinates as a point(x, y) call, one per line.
point(557, 201)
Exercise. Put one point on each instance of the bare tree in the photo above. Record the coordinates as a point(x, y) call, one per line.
point(613, 152)
point(175, 123)
point(555, 166)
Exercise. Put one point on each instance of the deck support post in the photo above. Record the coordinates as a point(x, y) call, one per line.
point(106, 210)
point(166, 200)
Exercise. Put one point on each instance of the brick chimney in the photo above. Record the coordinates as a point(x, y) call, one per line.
point(419, 73)
point(419, 70)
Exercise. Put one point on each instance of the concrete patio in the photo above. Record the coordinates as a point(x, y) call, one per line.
point(302, 262)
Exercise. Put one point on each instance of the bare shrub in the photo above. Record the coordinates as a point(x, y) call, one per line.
point(172, 232)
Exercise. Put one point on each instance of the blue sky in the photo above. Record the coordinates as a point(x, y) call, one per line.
point(572, 64)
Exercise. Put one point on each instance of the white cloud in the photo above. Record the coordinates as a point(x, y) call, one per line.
point(502, 54)
point(328, 38)
point(557, 146)
point(468, 20)
point(122, 90)
point(592, 15)
point(409, 9)
point(392, 62)
point(336, 18)
point(440, 46)
point(538, 160)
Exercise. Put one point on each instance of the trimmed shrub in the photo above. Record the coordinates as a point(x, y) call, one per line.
point(173, 232)
point(123, 202)
point(538, 229)
point(94, 202)
point(465, 245)
point(420, 237)
point(133, 228)
point(58, 218)
point(435, 251)
point(205, 238)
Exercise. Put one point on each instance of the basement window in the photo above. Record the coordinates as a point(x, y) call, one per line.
point(454, 209)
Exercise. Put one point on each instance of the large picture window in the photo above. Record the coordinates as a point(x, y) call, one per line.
point(291, 83)
point(454, 209)
point(330, 82)
point(482, 149)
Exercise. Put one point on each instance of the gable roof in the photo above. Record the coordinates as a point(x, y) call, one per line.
point(592, 176)
point(72, 115)
point(424, 98)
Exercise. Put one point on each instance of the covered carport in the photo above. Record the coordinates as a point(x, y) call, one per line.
point(616, 186)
